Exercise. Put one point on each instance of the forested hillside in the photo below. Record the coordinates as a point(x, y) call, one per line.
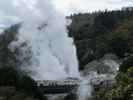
point(98, 33)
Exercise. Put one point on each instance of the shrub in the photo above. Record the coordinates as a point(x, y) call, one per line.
point(126, 64)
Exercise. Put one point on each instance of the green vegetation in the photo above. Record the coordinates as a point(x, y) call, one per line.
point(126, 64)
point(10, 73)
point(122, 90)
point(98, 33)
point(7, 57)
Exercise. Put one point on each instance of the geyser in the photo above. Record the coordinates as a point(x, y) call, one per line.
point(52, 53)
point(44, 30)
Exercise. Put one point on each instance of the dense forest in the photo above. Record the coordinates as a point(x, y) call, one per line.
point(99, 33)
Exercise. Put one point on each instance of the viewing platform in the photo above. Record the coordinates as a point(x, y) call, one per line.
point(59, 86)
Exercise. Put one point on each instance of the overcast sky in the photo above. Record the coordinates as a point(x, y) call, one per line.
point(67, 7)
point(74, 6)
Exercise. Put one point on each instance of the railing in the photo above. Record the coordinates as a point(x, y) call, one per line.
point(56, 87)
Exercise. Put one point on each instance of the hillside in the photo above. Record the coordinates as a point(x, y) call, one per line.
point(98, 33)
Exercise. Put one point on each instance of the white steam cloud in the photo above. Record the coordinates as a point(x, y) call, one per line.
point(54, 55)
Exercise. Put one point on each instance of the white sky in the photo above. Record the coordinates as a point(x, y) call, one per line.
point(74, 6)
point(67, 7)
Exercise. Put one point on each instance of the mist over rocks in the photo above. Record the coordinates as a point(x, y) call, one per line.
point(109, 64)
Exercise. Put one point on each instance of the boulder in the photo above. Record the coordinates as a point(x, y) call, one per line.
point(109, 64)
point(97, 66)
